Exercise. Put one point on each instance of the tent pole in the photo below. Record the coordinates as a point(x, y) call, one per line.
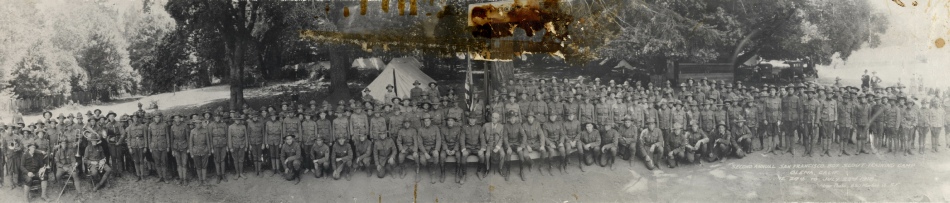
point(395, 86)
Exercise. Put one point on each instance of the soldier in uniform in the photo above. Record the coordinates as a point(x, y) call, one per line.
point(862, 117)
point(291, 124)
point(845, 122)
point(429, 143)
point(695, 145)
point(308, 135)
point(743, 136)
point(792, 114)
point(586, 111)
point(811, 109)
point(908, 127)
point(159, 144)
point(200, 147)
point(590, 139)
point(494, 142)
point(451, 147)
point(137, 145)
point(65, 154)
point(363, 153)
point(255, 138)
point(608, 149)
point(771, 116)
point(936, 124)
point(342, 157)
point(554, 142)
point(384, 153)
point(290, 156)
point(179, 133)
point(722, 143)
point(341, 125)
point(238, 144)
point(219, 143)
point(678, 140)
point(274, 129)
point(651, 144)
point(828, 114)
point(473, 143)
point(513, 138)
point(924, 118)
point(95, 159)
point(320, 154)
point(406, 139)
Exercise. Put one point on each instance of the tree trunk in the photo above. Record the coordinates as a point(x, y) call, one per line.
point(236, 81)
point(735, 54)
point(338, 65)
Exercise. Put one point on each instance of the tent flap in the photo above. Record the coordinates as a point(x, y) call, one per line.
point(401, 73)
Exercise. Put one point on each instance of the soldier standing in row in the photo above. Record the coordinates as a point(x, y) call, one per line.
point(238, 144)
point(159, 144)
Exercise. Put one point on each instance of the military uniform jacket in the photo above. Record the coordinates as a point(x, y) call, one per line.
point(792, 108)
point(878, 109)
point(692, 137)
point(429, 137)
point(733, 114)
point(514, 134)
point(320, 151)
point(741, 131)
point(384, 147)
point(618, 111)
point(274, 130)
point(556, 108)
point(586, 112)
point(910, 117)
point(924, 117)
point(158, 136)
point(363, 147)
point(553, 132)
point(55, 133)
point(94, 153)
point(341, 128)
point(238, 134)
point(829, 111)
point(255, 132)
point(845, 111)
point(629, 135)
point(395, 122)
point(651, 136)
point(201, 141)
point(892, 116)
point(861, 114)
point(590, 137)
point(774, 108)
point(679, 116)
point(812, 110)
point(539, 108)
point(219, 134)
point(533, 133)
point(450, 137)
point(137, 132)
point(609, 137)
point(179, 136)
point(677, 140)
point(416, 93)
point(937, 117)
point(406, 137)
point(308, 132)
point(292, 150)
point(473, 136)
point(32, 162)
point(291, 126)
point(707, 119)
point(342, 151)
point(637, 114)
point(438, 117)
point(603, 113)
point(454, 112)
point(751, 114)
point(377, 127)
point(664, 119)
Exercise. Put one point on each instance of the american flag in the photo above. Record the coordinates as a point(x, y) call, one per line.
point(469, 82)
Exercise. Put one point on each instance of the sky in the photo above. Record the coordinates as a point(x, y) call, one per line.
point(907, 49)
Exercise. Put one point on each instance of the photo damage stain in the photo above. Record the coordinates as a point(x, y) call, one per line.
point(939, 43)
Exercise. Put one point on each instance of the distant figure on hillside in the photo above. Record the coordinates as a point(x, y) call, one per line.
point(875, 81)
point(865, 80)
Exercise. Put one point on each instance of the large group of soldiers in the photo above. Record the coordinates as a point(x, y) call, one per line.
point(547, 121)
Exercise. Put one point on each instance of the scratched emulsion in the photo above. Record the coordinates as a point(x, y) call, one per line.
point(493, 29)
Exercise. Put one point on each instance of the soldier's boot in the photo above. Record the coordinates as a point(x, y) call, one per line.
point(580, 162)
point(650, 164)
point(257, 168)
point(442, 173)
point(521, 172)
point(103, 179)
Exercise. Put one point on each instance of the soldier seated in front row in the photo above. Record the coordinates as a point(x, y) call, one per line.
point(95, 159)
point(34, 167)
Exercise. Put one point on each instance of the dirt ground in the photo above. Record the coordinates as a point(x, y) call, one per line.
point(757, 178)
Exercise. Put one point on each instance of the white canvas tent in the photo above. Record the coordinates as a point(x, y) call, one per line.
point(625, 65)
point(368, 63)
point(401, 73)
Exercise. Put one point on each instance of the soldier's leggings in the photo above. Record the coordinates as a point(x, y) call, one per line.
point(935, 133)
point(891, 134)
point(307, 162)
point(138, 156)
point(907, 138)
point(861, 138)
point(789, 139)
point(878, 130)
point(810, 137)
point(117, 156)
point(256, 153)
point(922, 137)
point(827, 133)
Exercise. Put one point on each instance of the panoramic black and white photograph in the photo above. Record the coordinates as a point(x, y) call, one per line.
point(474, 101)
